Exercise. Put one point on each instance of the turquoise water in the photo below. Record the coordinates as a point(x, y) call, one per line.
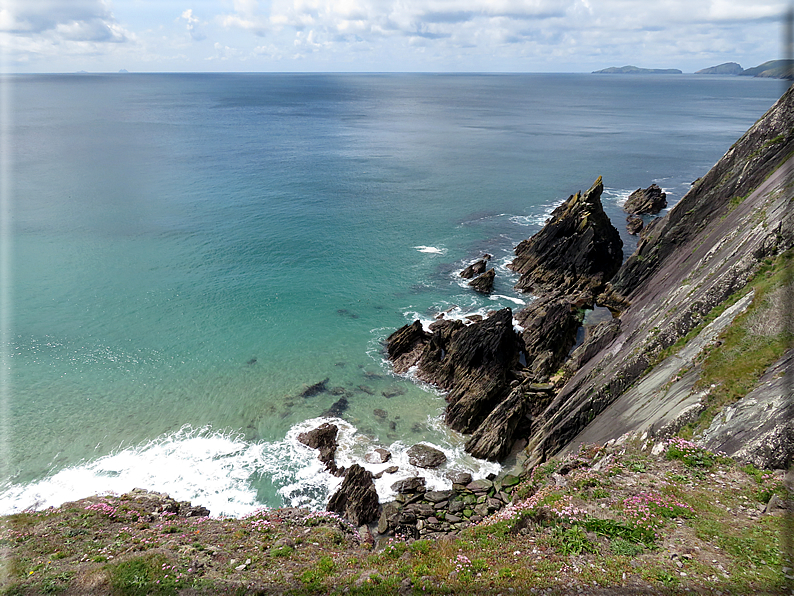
point(190, 252)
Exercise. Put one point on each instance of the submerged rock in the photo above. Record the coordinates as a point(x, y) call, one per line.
point(356, 500)
point(650, 200)
point(484, 283)
point(316, 389)
point(337, 408)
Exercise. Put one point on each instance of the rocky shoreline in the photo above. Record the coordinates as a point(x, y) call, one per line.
point(513, 377)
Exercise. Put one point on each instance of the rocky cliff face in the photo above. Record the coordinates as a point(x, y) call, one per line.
point(687, 263)
point(576, 251)
point(490, 394)
point(734, 219)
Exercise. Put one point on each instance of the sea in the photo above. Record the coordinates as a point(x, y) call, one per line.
point(188, 253)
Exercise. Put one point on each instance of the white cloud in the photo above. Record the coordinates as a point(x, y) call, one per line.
point(528, 35)
point(80, 20)
point(191, 24)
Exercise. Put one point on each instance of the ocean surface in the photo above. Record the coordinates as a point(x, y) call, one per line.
point(190, 252)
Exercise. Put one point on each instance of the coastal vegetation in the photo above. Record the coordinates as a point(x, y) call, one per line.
point(650, 518)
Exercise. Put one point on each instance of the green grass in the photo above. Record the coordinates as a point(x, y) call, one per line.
point(732, 367)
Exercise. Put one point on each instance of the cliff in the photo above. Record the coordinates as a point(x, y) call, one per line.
point(699, 273)
point(693, 274)
point(773, 69)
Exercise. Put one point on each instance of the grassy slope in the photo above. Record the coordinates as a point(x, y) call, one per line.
point(617, 520)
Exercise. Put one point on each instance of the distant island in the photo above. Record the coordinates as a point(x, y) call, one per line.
point(729, 68)
point(773, 69)
point(636, 70)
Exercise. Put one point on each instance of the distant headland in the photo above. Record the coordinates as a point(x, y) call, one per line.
point(772, 69)
point(637, 70)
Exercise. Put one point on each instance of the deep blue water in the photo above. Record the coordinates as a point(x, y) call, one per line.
point(191, 251)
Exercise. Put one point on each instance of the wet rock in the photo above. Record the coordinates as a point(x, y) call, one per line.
point(462, 478)
point(409, 485)
point(484, 283)
point(391, 470)
point(476, 268)
point(356, 500)
point(634, 224)
point(437, 496)
point(481, 486)
point(378, 456)
point(323, 438)
point(424, 456)
point(650, 200)
point(404, 346)
point(316, 389)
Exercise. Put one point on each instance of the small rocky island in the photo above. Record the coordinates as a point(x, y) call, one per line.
point(636, 70)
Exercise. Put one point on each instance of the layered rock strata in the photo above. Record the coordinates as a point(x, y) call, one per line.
point(490, 392)
point(577, 251)
point(686, 263)
point(643, 201)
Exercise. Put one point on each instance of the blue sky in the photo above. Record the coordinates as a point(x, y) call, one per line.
point(385, 35)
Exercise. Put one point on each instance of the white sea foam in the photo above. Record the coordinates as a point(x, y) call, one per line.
point(431, 250)
point(508, 298)
point(206, 467)
point(538, 218)
point(618, 196)
point(218, 470)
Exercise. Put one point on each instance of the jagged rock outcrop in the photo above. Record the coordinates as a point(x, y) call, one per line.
point(404, 346)
point(357, 499)
point(549, 331)
point(567, 262)
point(475, 269)
point(649, 200)
point(578, 250)
point(492, 440)
point(484, 283)
point(686, 263)
point(475, 363)
point(634, 224)
point(323, 438)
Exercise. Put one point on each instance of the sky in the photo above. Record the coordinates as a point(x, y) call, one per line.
point(385, 35)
